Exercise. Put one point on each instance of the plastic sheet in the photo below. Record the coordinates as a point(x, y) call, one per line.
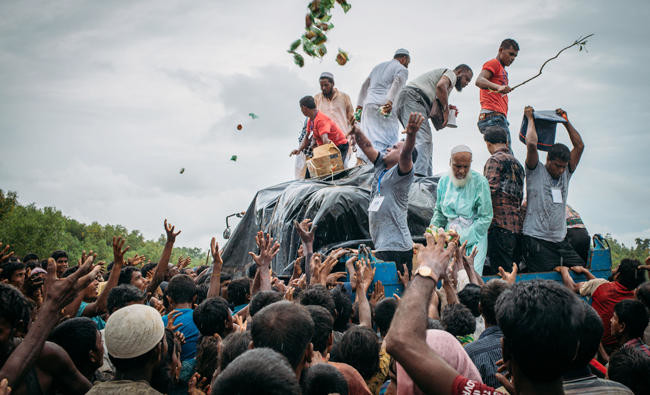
point(338, 207)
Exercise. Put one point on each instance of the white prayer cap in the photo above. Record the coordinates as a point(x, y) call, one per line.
point(327, 74)
point(133, 331)
point(402, 51)
point(460, 148)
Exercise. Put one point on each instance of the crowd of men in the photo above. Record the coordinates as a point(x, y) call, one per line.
point(488, 210)
point(143, 327)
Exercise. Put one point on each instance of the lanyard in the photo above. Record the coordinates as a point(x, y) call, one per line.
point(379, 181)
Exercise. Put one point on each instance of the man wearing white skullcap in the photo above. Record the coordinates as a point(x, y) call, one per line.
point(378, 93)
point(334, 103)
point(463, 203)
point(135, 340)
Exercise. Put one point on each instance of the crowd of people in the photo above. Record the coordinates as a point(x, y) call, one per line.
point(143, 327)
point(136, 326)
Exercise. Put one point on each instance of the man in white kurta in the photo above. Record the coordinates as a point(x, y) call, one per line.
point(463, 203)
point(378, 92)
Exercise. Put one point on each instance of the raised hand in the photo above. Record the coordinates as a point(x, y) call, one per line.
point(118, 250)
point(157, 303)
point(511, 277)
point(169, 230)
point(60, 292)
point(268, 249)
point(365, 274)
point(415, 121)
point(297, 268)
point(377, 294)
point(306, 230)
point(435, 255)
point(562, 113)
point(198, 385)
point(288, 294)
point(171, 318)
point(216, 254)
point(349, 266)
point(528, 112)
point(404, 278)
point(4, 254)
point(333, 279)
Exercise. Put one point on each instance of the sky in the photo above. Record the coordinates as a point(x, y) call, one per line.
point(102, 103)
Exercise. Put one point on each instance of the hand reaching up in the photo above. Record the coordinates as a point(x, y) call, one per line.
point(217, 261)
point(60, 292)
point(511, 277)
point(169, 230)
point(306, 230)
point(268, 250)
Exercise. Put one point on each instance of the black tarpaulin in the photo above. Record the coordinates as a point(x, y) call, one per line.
point(338, 207)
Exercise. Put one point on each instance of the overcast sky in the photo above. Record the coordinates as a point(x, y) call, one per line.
point(103, 102)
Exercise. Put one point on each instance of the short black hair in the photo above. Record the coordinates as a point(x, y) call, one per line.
point(207, 356)
point(181, 289)
point(263, 299)
point(77, 336)
point(643, 293)
point(239, 291)
point(589, 335)
point(469, 297)
point(30, 257)
point(259, 371)
point(285, 327)
point(509, 43)
point(202, 292)
point(320, 296)
point(495, 135)
point(463, 67)
point(233, 346)
point(359, 348)
point(147, 267)
point(458, 320)
point(122, 296)
point(14, 307)
point(559, 152)
point(323, 326)
point(323, 379)
point(251, 271)
point(309, 102)
point(631, 368)
point(540, 320)
point(211, 316)
point(629, 274)
point(59, 254)
point(9, 268)
point(634, 315)
point(384, 312)
point(126, 275)
point(343, 306)
point(490, 292)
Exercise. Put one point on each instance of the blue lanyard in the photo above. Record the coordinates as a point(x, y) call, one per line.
point(379, 181)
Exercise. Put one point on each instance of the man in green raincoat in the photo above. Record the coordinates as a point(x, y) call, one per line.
point(463, 203)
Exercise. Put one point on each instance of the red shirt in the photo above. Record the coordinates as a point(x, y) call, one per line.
point(464, 386)
point(603, 301)
point(491, 100)
point(322, 125)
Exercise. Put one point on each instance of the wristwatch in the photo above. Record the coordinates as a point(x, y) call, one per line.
point(426, 271)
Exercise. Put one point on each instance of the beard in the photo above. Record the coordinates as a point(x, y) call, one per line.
point(459, 86)
point(459, 182)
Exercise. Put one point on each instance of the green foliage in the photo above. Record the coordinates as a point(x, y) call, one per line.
point(640, 251)
point(41, 231)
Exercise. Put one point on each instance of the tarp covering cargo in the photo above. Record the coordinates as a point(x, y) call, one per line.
point(338, 207)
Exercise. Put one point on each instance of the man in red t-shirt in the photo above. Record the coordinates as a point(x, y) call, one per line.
point(321, 128)
point(493, 81)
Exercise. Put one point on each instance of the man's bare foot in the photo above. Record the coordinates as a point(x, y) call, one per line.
point(578, 269)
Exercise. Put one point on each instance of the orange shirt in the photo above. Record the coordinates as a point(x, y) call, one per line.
point(322, 125)
point(491, 100)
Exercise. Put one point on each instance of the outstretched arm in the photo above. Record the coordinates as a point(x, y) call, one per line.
point(99, 306)
point(306, 231)
point(406, 339)
point(268, 250)
point(576, 141)
point(406, 156)
point(217, 263)
point(363, 143)
point(163, 263)
point(532, 156)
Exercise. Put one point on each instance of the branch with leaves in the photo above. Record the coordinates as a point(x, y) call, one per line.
point(581, 43)
point(317, 23)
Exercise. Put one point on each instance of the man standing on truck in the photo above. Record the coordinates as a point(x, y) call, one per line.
point(463, 203)
point(388, 207)
point(493, 81)
point(321, 128)
point(545, 244)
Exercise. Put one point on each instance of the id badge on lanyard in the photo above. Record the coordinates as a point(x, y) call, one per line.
point(378, 200)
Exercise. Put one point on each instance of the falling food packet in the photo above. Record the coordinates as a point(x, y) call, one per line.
point(182, 170)
point(253, 115)
point(342, 57)
point(240, 126)
point(233, 158)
